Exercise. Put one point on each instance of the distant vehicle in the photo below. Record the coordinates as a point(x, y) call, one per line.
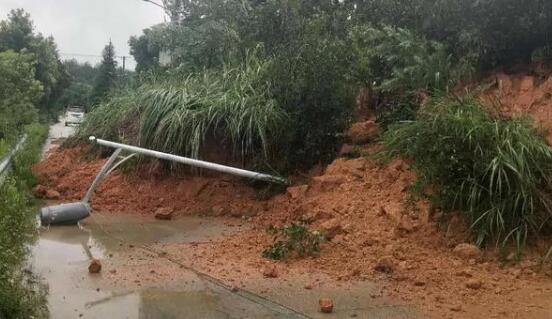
point(74, 115)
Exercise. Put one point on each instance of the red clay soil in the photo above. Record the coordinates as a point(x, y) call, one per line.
point(377, 233)
point(69, 172)
point(520, 94)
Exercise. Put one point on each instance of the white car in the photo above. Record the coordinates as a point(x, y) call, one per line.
point(74, 115)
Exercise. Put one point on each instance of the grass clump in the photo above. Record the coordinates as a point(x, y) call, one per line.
point(495, 169)
point(292, 238)
point(21, 296)
point(178, 113)
point(232, 105)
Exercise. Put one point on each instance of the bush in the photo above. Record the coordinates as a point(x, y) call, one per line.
point(20, 295)
point(290, 239)
point(395, 62)
point(490, 33)
point(495, 169)
point(311, 84)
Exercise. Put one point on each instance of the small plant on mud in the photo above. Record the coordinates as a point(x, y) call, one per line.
point(294, 238)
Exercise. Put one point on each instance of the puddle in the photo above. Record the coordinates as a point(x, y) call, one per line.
point(62, 254)
point(135, 282)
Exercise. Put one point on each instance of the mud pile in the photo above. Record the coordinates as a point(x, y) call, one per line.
point(151, 189)
point(522, 94)
point(375, 230)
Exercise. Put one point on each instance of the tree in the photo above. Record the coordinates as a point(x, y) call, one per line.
point(107, 74)
point(17, 34)
point(19, 91)
point(145, 48)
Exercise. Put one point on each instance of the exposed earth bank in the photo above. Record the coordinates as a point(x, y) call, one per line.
point(375, 230)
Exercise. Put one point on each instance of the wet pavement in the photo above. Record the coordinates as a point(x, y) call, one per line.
point(62, 254)
point(140, 281)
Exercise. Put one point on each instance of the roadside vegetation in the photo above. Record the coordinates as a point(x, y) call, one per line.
point(293, 239)
point(32, 78)
point(496, 169)
point(21, 294)
point(276, 81)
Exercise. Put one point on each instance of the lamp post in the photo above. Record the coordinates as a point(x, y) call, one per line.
point(155, 3)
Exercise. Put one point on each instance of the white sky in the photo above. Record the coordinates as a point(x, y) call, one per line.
point(85, 26)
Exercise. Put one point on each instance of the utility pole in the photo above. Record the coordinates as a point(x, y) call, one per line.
point(124, 60)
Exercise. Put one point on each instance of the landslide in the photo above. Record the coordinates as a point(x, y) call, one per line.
point(366, 209)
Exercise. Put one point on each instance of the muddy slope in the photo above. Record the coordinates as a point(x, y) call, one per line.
point(375, 232)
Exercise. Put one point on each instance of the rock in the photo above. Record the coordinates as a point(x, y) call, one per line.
point(309, 286)
point(329, 182)
point(363, 132)
point(297, 192)
point(347, 150)
point(464, 273)
point(164, 213)
point(393, 211)
point(474, 284)
point(40, 191)
point(270, 271)
point(385, 264)
point(52, 194)
point(467, 251)
point(95, 266)
point(331, 228)
point(456, 308)
point(326, 305)
point(235, 289)
point(405, 226)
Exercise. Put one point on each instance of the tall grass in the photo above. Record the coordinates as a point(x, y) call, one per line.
point(178, 113)
point(116, 119)
point(232, 105)
point(495, 169)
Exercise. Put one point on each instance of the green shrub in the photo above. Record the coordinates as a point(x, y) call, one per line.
point(495, 169)
point(20, 295)
point(394, 62)
point(290, 239)
point(311, 84)
point(490, 33)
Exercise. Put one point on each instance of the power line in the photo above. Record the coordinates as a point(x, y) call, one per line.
point(94, 55)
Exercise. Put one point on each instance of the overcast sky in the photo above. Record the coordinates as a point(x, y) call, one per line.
point(85, 26)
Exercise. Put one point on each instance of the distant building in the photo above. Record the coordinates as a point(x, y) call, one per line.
point(165, 58)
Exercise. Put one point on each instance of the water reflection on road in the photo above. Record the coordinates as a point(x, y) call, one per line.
point(62, 254)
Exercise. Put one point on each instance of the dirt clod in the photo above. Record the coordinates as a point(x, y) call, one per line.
point(363, 132)
point(297, 192)
point(467, 251)
point(331, 228)
point(326, 305)
point(474, 284)
point(52, 194)
point(95, 266)
point(270, 271)
point(385, 264)
point(40, 191)
point(164, 213)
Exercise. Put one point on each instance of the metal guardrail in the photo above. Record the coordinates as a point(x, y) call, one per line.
point(6, 162)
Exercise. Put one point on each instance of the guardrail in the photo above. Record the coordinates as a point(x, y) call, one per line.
point(6, 162)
